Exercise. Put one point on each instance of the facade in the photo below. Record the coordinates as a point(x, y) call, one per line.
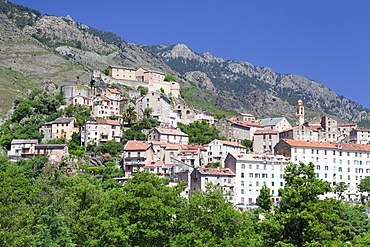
point(186, 114)
point(100, 131)
point(204, 116)
point(334, 162)
point(122, 73)
point(245, 117)
point(252, 171)
point(223, 177)
point(265, 141)
point(166, 135)
point(62, 127)
point(104, 107)
point(55, 152)
point(237, 131)
point(359, 136)
point(22, 149)
point(217, 150)
point(82, 100)
point(275, 124)
point(160, 105)
point(137, 155)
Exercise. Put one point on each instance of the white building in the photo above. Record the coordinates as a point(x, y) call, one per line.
point(100, 131)
point(334, 162)
point(160, 105)
point(165, 135)
point(217, 150)
point(252, 171)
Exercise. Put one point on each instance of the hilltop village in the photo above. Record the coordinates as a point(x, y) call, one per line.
point(120, 96)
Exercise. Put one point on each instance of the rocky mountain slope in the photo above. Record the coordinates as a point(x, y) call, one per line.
point(35, 48)
point(247, 88)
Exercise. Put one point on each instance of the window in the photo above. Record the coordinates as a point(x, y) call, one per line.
point(242, 191)
point(242, 183)
point(272, 175)
point(242, 174)
point(340, 177)
point(257, 167)
point(250, 166)
point(349, 169)
point(317, 167)
point(281, 184)
point(326, 168)
point(339, 169)
point(348, 153)
point(272, 183)
point(257, 183)
point(251, 175)
point(317, 175)
point(243, 166)
point(326, 175)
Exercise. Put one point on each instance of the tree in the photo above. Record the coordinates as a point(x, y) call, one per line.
point(129, 114)
point(364, 186)
point(51, 231)
point(169, 78)
point(302, 219)
point(200, 132)
point(208, 219)
point(147, 112)
point(264, 199)
point(247, 143)
point(105, 71)
point(143, 90)
point(219, 115)
point(340, 188)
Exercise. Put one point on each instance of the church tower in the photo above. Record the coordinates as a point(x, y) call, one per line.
point(299, 113)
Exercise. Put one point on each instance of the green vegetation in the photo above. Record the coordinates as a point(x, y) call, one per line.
point(188, 94)
point(264, 199)
point(129, 114)
point(200, 132)
point(169, 78)
point(21, 15)
point(143, 90)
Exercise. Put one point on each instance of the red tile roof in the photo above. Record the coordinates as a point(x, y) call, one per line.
point(347, 124)
point(165, 131)
point(366, 130)
point(235, 144)
point(137, 145)
point(216, 171)
point(112, 90)
point(298, 143)
point(331, 145)
point(107, 121)
point(257, 132)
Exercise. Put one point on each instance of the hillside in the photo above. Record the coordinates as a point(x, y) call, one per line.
point(36, 48)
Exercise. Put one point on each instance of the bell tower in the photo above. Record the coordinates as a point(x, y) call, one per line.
point(299, 113)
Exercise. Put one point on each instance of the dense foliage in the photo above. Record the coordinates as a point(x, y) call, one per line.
point(200, 132)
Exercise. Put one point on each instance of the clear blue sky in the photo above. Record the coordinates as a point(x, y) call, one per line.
point(324, 40)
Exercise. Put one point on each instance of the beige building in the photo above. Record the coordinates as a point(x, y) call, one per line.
point(21, 149)
point(122, 73)
point(55, 152)
point(237, 131)
point(100, 131)
point(186, 114)
point(160, 105)
point(165, 135)
point(62, 127)
point(82, 100)
point(265, 141)
point(245, 117)
point(137, 155)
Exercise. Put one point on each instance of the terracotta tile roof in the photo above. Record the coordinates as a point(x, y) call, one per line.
point(216, 171)
point(173, 147)
point(154, 164)
point(246, 124)
point(107, 121)
point(235, 144)
point(137, 145)
point(24, 141)
point(347, 124)
point(365, 130)
point(289, 129)
point(353, 147)
point(112, 90)
point(315, 127)
point(193, 147)
point(104, 98)
point(298, 143)
point(257, 132)
point(165, 131)
point(331, 145)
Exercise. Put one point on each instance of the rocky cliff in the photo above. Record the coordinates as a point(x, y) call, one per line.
point(35, 48)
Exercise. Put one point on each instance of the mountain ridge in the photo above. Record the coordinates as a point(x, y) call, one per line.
point(72, 50)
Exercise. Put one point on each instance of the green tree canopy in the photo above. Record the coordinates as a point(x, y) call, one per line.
point(264, 199)
point(200, 132)
point(169, 78)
